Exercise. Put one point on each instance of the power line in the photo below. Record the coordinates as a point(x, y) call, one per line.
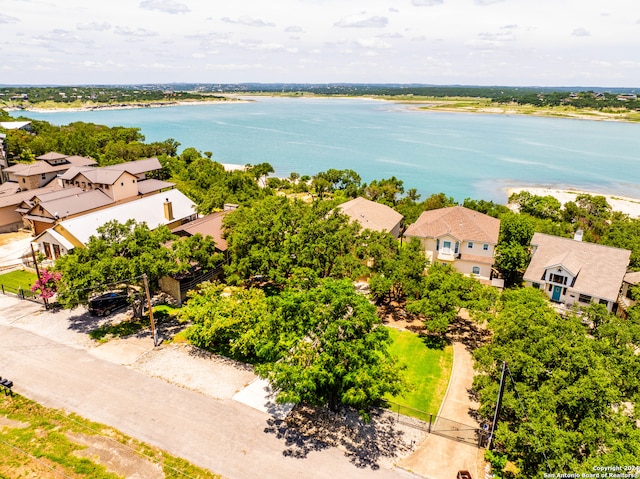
point(35, 459)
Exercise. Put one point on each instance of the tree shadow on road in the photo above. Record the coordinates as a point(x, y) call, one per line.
point(309, 429)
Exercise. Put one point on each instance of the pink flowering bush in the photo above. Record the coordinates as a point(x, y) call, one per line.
point(47, 285)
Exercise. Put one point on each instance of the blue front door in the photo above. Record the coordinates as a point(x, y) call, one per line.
point(557, 290)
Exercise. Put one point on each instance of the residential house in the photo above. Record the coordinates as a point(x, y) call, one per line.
point(373, 216)
point(87, 188)
point(10, 200)
point(458, 236)
point(625, 300)
point(171, 208)
point(44, 170)
point(574, 272)
point(211, 225)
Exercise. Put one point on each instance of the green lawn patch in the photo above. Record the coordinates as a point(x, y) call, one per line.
point(35, 441)
point(428, 371)
point(19, 279)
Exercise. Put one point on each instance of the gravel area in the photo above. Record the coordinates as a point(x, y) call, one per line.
point(195, 369)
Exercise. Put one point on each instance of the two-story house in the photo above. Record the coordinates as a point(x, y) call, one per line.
point(30, 176)
point(574, 272)
point(459, 236)
point(86, 189)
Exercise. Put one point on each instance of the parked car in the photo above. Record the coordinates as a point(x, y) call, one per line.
point(464, 475)
point(107, 303)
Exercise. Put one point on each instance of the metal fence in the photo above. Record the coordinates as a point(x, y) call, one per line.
point(21, 293)
point(441, 426)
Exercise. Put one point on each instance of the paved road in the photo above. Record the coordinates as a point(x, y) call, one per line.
point(224, 436)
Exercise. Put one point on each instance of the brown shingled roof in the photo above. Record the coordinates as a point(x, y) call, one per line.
point(460, 222)
point(371, 215)
point(210, 225)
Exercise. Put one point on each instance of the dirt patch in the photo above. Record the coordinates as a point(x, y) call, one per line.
point(116, 457)
point(12, 423)
point(7, 238)
point(196, 369)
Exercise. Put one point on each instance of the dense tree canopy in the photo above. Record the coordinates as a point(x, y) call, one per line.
point(568, 404)
point(277, 237)
point(123, 252)
point(322, 345)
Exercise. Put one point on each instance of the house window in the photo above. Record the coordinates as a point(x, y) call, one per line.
point(556, 278)
point(536, 285)
point(43, 176)
point(437, 245)
point(122, 183)
point(47, 249)
point(485, 247)
point(584, 298)
point(475, 270)
point(604, 301)
point(470, 245)
point(629, 292)
point(106, 187)
point(446, 246)
point(23, 180)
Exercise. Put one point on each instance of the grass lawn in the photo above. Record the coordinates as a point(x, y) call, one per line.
point(18, 280)
point(428, 371)
point(36, 441)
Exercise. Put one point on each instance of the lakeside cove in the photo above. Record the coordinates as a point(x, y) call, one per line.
point(477, 155)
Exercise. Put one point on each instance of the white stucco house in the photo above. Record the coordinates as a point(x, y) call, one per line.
point(459, 236)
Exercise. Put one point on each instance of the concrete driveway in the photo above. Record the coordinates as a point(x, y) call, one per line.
point(222, 435)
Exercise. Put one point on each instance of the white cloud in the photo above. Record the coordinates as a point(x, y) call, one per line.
point(61, 36)
point(581, 32)
point(293, 29)
point(249, 21)
point(7, 19)
point(426, 3)
point(487, 2)
point(94, 26)
point(373, 43)
point(138, 32)
point(167, 6)
point(362, 20)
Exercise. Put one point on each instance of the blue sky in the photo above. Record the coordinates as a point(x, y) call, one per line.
point(480, 42)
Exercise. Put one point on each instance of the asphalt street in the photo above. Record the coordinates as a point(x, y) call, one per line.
point(224, 436)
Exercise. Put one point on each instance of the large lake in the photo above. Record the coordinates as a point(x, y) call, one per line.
point(460, 154)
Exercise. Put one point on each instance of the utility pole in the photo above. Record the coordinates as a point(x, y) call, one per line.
point(153, 326)
point(498, 404)
point(35, 262)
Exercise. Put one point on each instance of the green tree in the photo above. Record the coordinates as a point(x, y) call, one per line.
point(444, 292)
point(342, 359)
point(276, 236)
point(123, 252)
point(400, 275)
point(563, 408)
point(513, 250)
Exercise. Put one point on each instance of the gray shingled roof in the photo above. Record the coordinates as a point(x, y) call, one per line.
point(600, 269)
point(139, 166)
point(77, 203)
point(460, 222)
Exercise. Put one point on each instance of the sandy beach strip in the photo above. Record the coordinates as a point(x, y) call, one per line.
point(624, 204)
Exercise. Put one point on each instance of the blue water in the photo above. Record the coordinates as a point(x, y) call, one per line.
point(462, 155)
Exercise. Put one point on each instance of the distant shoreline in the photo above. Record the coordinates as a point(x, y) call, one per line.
point(623, 204)
point(426, 105)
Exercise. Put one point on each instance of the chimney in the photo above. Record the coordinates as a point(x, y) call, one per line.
point(168, 209)
point(578, 235)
